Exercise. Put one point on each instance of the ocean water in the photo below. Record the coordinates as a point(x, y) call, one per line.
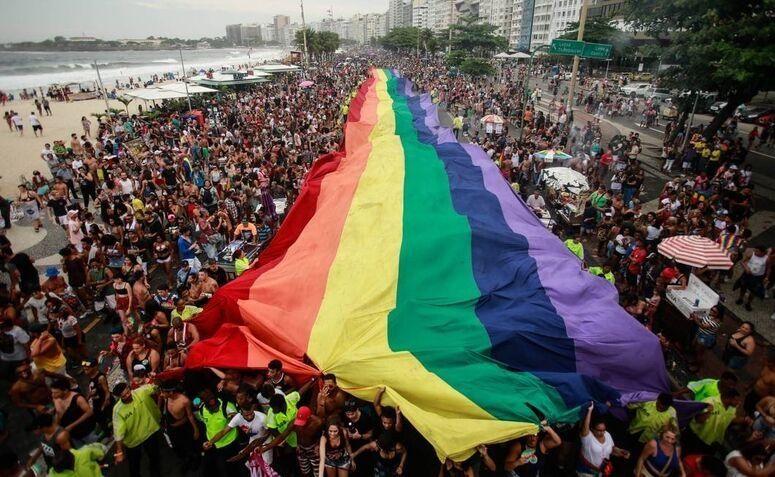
point(31, 69)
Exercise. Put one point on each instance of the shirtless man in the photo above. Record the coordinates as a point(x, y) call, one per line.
point(30, 390)
point(764, 385)
point(331, 398)
point(178, 415)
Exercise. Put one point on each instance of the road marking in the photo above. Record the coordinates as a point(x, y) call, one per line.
point(761, 153)
point(91, 325)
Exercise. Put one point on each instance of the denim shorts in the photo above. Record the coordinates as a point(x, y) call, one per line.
point(706, 340)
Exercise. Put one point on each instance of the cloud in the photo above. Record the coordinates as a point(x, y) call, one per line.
point(154, 6)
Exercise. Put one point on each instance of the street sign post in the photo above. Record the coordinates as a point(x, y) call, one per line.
point(566, 47)
point(600, 51)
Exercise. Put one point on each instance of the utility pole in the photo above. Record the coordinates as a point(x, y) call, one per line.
point(688, 130)
point(188, 96)
point(451, 16)
point(303, 36)
point(574, 72)
point(102, 87)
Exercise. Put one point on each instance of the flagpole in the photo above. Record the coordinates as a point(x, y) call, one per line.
point(102, 87)
point(185, 83)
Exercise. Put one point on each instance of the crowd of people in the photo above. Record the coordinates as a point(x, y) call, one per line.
point(148, 205)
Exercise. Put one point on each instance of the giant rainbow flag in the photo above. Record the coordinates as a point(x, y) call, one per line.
point(408, 262)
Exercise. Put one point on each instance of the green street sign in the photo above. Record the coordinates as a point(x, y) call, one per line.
point(566, 47)
point(600, 51)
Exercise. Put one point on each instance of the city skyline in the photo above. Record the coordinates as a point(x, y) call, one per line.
point(167, 18)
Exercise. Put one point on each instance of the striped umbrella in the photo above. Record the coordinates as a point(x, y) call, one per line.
point(550, 155)
point(695, 251)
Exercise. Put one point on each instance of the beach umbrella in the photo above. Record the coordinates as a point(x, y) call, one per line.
point(550, 155)
point(492, 118)
point(695, 251)
point(565, 179)
point(306, 84)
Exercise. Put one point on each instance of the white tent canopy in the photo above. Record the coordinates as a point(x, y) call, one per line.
point(153, 94)
point(277, 68)
point(192, 88)
point(513, 56)
point(231, 78)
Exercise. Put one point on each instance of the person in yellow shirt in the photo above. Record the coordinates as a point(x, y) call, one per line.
point(651, 416)
point(575, 246)
point(707, 429)
point(604, 272)
point(184, 311)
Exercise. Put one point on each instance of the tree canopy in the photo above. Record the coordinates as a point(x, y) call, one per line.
point(599, 30)
point(319, 43)
point(478, 39)
point(410, 39)
point(716, 45)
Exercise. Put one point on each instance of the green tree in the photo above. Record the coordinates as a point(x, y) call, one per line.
point(716, 45)
point(477, 67)
point(479, 39)
point(599, 30)
point(59, 39)
point(401, 39)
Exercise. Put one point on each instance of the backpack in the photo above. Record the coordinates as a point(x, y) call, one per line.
point(207, 196)
point(6, 343)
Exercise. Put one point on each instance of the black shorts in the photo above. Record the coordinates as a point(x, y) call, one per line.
point(37, 127)
point(753, 283)
point(71, 342)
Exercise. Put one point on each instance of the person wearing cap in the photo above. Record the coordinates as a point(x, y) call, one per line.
point(180, 427)
point(246, 231)
point(54, 282)
point(136, 419)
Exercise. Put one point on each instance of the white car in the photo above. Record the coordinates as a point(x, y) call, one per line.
point(637, 89)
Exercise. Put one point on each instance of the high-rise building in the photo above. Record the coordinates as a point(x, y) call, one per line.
point(281, 22)
point(521, 24)
point(564, 13)
point(440, 14)
point(605, 8)
point(234, 34)
point(542, 21)
point(497, 13)
point(399, 13)
point(268, 33)
point(420, 13)
point(250, 34)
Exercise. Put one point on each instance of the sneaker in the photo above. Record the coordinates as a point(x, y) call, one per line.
point(772, 317)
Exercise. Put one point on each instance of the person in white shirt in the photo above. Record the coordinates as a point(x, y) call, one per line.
point(597, 447)
point(36, 126)
point(13, 343)
point(46, 151)
point(536, 202)
point(18, 123)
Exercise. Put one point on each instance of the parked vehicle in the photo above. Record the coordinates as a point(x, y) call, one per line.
point(719, 105)
point(642, 76)
point(636, 89)
point(766, 119)
point(753, 114)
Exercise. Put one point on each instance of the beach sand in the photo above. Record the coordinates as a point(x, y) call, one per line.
point(21, 155)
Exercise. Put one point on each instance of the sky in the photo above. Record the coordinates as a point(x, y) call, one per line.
point(36, 20)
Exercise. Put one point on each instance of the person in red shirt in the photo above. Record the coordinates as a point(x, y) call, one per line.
point(698, 465)
point(606, 159)
point(635, 262)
